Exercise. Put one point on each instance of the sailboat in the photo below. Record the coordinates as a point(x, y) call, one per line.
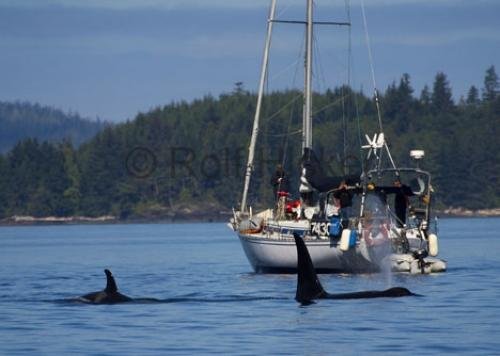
point(379, 219)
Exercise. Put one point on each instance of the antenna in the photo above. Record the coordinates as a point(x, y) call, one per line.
point(417, 156)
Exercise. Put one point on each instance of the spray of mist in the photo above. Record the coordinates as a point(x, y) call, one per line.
point(378, 222)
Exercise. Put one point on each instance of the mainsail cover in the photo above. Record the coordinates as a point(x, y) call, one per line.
point(314, 175)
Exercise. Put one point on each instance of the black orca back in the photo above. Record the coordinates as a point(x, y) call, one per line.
point(388, 293)
point(109, 295)
point(309, 287)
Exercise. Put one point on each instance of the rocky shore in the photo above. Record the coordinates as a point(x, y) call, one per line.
point(462, 212)
point(186, 214)
point(27, 220)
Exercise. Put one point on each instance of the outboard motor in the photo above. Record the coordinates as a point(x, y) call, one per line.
point(419, 255)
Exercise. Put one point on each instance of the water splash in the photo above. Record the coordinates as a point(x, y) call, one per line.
point(377, 223)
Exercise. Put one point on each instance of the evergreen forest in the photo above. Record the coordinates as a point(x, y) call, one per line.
point(190, 157)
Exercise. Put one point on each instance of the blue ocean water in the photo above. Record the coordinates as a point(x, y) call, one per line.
point(213, 303)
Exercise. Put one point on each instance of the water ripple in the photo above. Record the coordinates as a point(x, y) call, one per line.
point(206, 300)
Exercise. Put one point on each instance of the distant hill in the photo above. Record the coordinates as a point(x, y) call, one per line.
point(21, 120)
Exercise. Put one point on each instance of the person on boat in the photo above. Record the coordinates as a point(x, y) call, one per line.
point(280, 191)
point(401, 192)
point(343, 195)
point(344, 198)
point(279, 182)
point(401, 201)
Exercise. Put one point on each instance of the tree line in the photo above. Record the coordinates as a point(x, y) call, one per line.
point(21, 120)
point(190, 156)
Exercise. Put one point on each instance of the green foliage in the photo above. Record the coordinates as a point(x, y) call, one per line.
point(34, 180)
point(491, 84)
point(441, 98)
point(192, 156)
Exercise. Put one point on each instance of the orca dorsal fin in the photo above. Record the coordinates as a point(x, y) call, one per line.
point(308, 284)
point(110, 282)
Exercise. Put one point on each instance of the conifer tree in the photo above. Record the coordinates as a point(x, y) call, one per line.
point(441, 99)
point(491, 85)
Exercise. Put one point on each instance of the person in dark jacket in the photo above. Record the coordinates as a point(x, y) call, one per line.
point(279, 181)
point(402, 193)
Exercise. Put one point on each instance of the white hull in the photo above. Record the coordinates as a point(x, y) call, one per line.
point(278, 254)
point(270, 254)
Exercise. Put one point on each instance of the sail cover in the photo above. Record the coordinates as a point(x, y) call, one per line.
point(314, 174)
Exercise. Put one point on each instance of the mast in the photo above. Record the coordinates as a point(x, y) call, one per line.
point(255, 130)
point(307, 114)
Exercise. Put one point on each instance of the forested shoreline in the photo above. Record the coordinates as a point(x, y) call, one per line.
point(187, 159)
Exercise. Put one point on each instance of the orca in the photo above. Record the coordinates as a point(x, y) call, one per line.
point(309, 287)
point(108, 295)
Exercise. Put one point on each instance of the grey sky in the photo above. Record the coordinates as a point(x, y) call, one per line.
point(113, 59)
